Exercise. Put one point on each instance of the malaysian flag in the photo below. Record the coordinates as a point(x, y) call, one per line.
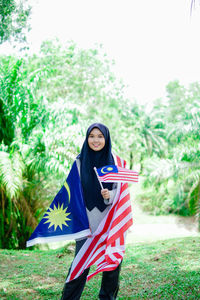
point(66, 217)
point(113, 173)
point(106, 247)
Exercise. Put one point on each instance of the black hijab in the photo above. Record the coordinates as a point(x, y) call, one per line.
point(90, 159)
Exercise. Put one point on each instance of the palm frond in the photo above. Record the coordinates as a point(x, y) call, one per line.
point(159, 169)
point(193, 177)
point(11, 169)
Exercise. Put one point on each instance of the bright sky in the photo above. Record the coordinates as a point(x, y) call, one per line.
point(152, 41)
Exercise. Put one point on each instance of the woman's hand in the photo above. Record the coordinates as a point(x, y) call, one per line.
point(105, 194)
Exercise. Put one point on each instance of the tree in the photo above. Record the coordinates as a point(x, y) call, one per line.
point(13, 18)
point(47, 102)
point(172, 181)
point(80, 88)
point(21, 152)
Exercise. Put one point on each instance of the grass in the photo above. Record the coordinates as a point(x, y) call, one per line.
point(167, 269)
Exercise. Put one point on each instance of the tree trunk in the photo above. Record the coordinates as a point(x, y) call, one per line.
point(131, 159)
point(198, 208)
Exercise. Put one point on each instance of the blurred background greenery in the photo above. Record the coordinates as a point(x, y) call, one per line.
point(47, 101)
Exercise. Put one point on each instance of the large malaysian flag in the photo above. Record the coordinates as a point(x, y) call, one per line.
point(66, 218)
point(106, 247)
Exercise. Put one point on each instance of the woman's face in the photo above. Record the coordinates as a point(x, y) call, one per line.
point(96, 140)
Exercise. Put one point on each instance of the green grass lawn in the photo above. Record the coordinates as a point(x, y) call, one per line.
point(167, 269)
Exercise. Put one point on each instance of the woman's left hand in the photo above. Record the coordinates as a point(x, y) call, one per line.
point(105, 194)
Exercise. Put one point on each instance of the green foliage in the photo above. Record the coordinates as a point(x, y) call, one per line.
point(80, 89)
point(11, 170)
point(13, 18)
point(175, 175)
point(20, 153)
point(19, 107)
point(47, 102)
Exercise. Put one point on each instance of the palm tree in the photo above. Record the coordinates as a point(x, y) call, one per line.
point(20, 191)
point(152, 135)
point(19, 166)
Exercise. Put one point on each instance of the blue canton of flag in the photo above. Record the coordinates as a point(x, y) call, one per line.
point(107, 169)
point(66, 218)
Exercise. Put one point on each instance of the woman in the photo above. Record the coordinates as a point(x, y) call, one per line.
point(96, 152)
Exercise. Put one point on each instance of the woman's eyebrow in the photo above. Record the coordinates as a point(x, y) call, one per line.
point(99, 134)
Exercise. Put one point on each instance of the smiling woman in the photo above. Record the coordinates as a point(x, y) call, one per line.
point(96, 140)
point(105, 246)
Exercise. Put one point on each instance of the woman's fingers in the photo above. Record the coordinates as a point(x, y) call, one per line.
point(105, 193)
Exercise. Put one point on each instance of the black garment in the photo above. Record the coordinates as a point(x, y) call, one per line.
point(72, 290)
point(90, 159)
point(109, 285)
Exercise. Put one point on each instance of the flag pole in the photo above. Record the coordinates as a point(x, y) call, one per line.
point(95, 169)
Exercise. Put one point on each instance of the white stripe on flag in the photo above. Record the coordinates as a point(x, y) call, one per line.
point(122, 209)
point(115, 251)
point(122, 223)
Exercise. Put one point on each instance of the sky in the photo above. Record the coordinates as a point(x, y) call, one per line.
point(152, 42)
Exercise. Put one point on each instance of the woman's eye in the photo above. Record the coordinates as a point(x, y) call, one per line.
point(99, 136)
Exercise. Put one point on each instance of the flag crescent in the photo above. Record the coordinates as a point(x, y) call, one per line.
point(68, 190)
point(108, 169)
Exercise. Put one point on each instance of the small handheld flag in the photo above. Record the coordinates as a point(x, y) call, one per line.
point(113, 173)
point(66, 218)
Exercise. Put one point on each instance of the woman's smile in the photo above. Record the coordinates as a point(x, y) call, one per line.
point(96, 140)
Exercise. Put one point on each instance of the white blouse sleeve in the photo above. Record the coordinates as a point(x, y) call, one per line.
point(112, 195)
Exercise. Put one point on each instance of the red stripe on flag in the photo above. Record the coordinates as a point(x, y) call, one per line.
point(113, 244)
point(124, 187)
point(121, 217)
point(110, 261)
point(119, 161)
point(122, 240)
point(117, 255)
point(122, 229)
point(101, 270)
point(123, 201)
point(118, 178)
point(108, 247)
point(96, 258)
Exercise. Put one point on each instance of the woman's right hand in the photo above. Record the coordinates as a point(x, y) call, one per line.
point(105, 193)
